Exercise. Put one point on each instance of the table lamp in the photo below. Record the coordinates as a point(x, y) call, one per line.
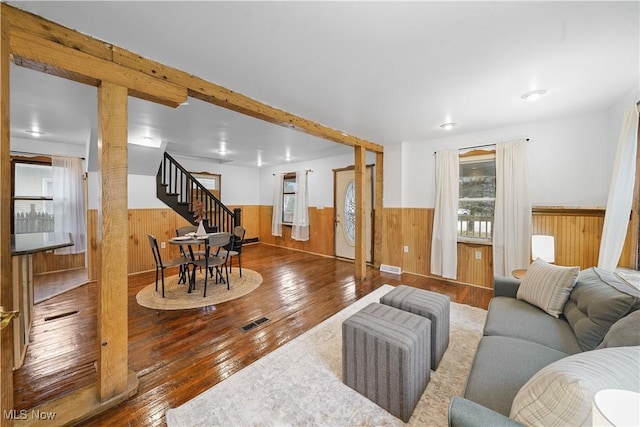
point(543, 247)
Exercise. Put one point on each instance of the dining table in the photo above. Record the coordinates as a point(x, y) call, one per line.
point(190, 240)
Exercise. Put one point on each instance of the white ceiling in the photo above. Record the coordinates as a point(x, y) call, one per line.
point(389, 72)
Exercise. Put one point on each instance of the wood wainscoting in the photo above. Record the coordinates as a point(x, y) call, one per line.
point(321, 233)
point(577, 235)
point(162, 223)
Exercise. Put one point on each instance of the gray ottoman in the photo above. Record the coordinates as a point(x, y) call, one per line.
point(385, 357)
point(431, 305)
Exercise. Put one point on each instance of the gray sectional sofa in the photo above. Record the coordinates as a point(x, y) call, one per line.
point(522, 341)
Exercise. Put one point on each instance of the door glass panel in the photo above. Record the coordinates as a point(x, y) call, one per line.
point(349, 220)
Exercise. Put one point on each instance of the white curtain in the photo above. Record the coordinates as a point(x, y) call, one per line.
point(512, 216)
point(616, 219)
point(444, 243)
point(68, 202)
point(276, 219)
point(300, 229)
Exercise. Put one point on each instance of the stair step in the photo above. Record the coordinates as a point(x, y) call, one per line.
point(173, 194)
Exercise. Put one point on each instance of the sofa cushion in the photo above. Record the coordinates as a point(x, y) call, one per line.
point(562, 392)
point(599, 299)
point(625, 332)
point(501, 366)
point(548, 286)
point(514, 318)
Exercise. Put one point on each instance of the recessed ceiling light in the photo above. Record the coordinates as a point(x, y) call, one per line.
point(287, 158)
point(448, 126)
point(533, 95)
point(35, 132)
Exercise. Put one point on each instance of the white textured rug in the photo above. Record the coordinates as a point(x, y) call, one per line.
point(300, 383)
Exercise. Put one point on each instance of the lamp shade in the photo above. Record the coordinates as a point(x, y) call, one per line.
point(616, 408)
point(543, 247)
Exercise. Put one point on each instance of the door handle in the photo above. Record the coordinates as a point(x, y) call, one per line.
point(6, 316)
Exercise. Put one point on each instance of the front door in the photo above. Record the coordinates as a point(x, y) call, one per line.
point(345, 213)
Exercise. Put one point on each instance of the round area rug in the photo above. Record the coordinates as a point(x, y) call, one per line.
point(177, 298)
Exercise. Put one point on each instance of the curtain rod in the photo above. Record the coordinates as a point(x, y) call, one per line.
point(27, 153)
point(308, 170)
point(477, 146)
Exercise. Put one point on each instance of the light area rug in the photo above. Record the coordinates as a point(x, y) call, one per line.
point(177, 298)
point(300, 383)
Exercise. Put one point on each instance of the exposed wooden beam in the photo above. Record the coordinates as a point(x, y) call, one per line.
point(113, 238)
point(226, 98)
point(6, 278)
point(377, 220)
point(635, 209)
point(102, 52)
point(60, 57)
point(57, 33)
point(361, 212)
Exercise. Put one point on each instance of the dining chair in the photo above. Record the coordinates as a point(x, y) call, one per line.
point(214, 259)
point(181, 262)
point(234, 248)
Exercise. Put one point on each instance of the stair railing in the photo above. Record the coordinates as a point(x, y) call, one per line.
point(183, 188)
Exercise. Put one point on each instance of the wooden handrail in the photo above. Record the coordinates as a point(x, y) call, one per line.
point(179, 183)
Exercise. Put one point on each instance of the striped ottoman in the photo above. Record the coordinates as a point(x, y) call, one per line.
point(385, 357)
point(431, 305)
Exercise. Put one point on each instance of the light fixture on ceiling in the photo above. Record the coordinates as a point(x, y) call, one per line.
point(448, 126)
point(287, 158)
point(35, 132)
point(145, 141)
point(533, 94)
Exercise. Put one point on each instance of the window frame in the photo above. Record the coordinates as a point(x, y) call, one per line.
point(290, 176)
point(15, 160)
point(476, 156)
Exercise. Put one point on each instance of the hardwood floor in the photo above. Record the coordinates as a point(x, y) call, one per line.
point(48, 285)
point(179, 354)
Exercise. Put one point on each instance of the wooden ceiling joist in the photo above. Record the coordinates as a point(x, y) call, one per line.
point(28, 28)
point(44, 51)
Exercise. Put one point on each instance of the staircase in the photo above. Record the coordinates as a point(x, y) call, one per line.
point(179, 190)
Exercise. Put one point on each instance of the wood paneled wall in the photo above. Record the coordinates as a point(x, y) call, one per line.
point(577, 237)
point(577, 233)
point(321, 234)
point(45, 262)
point(162, 223)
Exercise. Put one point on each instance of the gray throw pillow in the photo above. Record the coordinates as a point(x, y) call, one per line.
point(599, 299)
point(624, 333)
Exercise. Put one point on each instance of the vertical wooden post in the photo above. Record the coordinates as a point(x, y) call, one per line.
point(634, 256)
point(377, 220)
point(112, 241)
point(361, 211)
point(6, 277)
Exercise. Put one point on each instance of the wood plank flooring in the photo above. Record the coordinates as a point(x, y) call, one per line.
point(180, 354)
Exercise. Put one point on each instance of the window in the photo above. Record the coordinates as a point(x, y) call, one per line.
point(32, 197)
point(289, 188)
point(477, 196)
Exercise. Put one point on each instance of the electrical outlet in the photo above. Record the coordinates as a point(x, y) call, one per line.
point(478, 255)
point(406, 249)
point(163, 245)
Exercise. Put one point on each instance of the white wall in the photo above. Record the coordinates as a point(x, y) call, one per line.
point(568, 161)
point(320, 180)
point(239, 185)
point(47, 148)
